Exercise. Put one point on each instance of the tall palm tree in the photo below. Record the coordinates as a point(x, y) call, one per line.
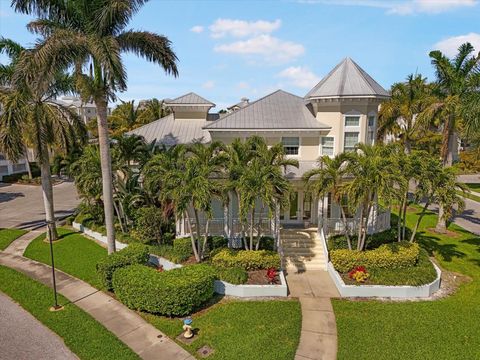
point(458, 98)
point(30, 115)
point(131, 149)
point(123, 118)
point(152, 110)
point(398, 115)
point(90, 35)
point(330, 177)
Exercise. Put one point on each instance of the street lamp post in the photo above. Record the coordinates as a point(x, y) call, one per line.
point(56, 307)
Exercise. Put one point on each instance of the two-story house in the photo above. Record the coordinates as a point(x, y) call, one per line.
point(339, 112)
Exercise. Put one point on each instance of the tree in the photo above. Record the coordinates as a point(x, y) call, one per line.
point(373, 177)
point(123, 118)
point(398, 115)
point(330, 177)
point(29, 115)
point(152, 110)
point(132, 149)
point(90, 35)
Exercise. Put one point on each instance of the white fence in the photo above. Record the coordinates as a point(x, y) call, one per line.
point(337, 226)
point(218, 226)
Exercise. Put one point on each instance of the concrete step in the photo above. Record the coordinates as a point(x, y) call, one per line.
point(302, 252)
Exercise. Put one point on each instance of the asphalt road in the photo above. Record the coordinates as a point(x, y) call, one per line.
point(21, 206)
point(24, 337)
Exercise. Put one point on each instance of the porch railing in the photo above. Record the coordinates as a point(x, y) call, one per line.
point(217, 226)
point(334, 226)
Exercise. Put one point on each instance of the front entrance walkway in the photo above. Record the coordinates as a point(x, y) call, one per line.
point(318, 340)
point(143, 338)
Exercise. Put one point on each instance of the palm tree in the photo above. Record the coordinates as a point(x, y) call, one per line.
point(123, 118)
point(90, 35)
point(152, 110)
point(398, 115)
point(131, 149)
point(374, 177)
point(329, 177)
point(29, 115)
point(458, 98)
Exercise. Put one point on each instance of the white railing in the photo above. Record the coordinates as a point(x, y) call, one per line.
point(217, 226)
point(334, 226)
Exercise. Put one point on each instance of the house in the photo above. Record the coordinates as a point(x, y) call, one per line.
point(339, 112)
point(85, 110)
point(7, 167)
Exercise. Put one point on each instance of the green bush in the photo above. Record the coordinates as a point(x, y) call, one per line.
point(132, 254)
point(176, 292)
point(168, 252)
point(183, 247)
point(373, 241)
point(148, 225)
point(246, 259)
point(388, 256)
point(217, 242)
point(234, 275)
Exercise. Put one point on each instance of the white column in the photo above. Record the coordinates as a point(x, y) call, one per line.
point(226, 220)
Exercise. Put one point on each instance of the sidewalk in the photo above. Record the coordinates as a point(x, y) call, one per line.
point(143, 338)
point(318, 340)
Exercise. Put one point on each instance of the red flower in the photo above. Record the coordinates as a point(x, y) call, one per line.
point(271, 274)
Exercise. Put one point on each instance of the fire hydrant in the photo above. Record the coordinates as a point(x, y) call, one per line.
point(187, 327)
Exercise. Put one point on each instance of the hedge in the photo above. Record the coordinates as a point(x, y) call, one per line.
point(176, 292)
point(234, 275)
point(387, 256)
point(132, 254)
point(246, 259)
point(183, 246)
point(373, 241)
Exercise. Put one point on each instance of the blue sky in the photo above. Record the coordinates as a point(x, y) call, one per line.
point(233, 49)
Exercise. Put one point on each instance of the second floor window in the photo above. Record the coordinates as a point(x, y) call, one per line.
point(352, 120)
point(291, 145)
point(327, 145)
point(351, 140)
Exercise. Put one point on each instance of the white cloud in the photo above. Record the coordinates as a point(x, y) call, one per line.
point(210, 84)
point(240, 28)
point(271, 49)
point(402, 7)
point(449, 46)
point(299, 76)
point(197, 29)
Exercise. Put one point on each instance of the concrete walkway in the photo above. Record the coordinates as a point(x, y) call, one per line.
point(24, 337)
point(19, 246)
point(318, 340)
point(143, 338)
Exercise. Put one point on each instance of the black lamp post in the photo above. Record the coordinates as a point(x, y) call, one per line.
point(50, 240)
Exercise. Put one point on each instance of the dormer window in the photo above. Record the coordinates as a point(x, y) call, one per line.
point(352, 120)
point(291, 145)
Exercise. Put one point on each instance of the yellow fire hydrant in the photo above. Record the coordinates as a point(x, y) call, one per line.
point(187, 327)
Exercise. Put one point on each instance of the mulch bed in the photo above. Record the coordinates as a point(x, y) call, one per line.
point(449, 233)
point(259, 277)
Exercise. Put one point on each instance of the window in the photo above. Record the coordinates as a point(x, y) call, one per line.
point(18, 167)
point(3, 170)
point(351, 139)
point(371, 121)
point(327, 145)
point(371, 137)
point(352, 120)
point(291, 145)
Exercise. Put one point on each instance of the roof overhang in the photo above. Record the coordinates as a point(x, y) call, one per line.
point(268, 129)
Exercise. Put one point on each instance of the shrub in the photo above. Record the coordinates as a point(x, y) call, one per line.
point(183, 247)
point(168, 252)
point(148, 225)
point(247, 259)
point(217, 242)
point(234, 275)
point(132, 254)
point(373, 241)
point(176, 292)
point(388, 256)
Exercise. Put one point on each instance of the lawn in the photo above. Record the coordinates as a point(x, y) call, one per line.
point(474, 186)
point(248, 330)
point(442, 329)
point(235, 329)
point(81, 333)
point(469, 196)
point(8, 235)
point(74, 254)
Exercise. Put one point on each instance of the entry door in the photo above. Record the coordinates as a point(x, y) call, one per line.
point(294, 206)
point(307, 206)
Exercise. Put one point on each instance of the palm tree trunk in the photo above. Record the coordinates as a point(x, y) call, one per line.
point(205, 238)
point(345, 226)
point(448, 139)
point(399, 222)
point(199, 234)
point(360, 227)
point(441, 226)
point(27, 164)
point(404, 215)
point(119, 215)
point(47, 191)
point(192, 237)
point(107, 187)
point(364, 235)
point(417, 224)
point(252, 225)
point(259, 228)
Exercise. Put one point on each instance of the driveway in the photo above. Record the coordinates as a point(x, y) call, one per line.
point(24, 337)
point(21, 206)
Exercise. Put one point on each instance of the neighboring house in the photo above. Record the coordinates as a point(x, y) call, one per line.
point(85, 110)
point(338, 113)
point(7, 167)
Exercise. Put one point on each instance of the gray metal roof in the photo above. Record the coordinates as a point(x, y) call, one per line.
point(347, 79)
point(170, 131)
point(278, 110)
point(191, 99)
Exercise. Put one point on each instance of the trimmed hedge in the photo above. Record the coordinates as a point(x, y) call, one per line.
point(132, 254)
point(373, 241)
point(234, 275)
point(176, 292)
point(183, 246)
point(388, 256)
point(169, 253)
point(247, 259)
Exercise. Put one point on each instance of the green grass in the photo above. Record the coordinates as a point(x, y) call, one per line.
point(8, 235)
point(469, 196)
point(474, 186)
point(442, 329)
point(82, 334)
point(247, 330)
point(74, 254)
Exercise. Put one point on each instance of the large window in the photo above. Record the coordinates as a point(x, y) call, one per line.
point(351, 140)
point(327, 145)
point(291, 145)
point(371, 130)
point(371, 121)
point(352, 120)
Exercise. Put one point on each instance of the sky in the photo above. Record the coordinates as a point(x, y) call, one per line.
point(233, 49)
